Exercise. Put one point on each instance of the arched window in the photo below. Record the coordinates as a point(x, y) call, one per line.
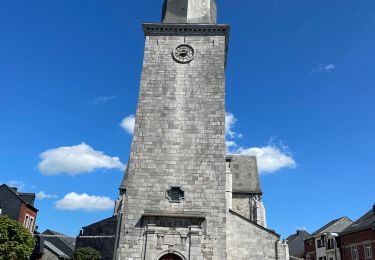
point(170, 257)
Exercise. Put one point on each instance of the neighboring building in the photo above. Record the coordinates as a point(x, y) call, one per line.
point(358, 240)
point(182, 197)
point(246, 190)
point(323, 244)
point(18, 206)
point(57, 247)
point(105, 245)
point(296, 243)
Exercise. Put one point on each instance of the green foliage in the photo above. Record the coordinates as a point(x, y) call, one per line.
point(86, 253)
point(16, 242)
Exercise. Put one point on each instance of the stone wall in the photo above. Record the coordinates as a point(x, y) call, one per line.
point(179, 141)
point(241, 203)
point(49, 255)
point(105, 246)
point(246, 240)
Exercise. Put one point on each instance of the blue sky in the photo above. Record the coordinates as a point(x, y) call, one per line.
point(300, 95)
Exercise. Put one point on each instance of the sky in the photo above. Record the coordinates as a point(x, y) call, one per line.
point(300, 91)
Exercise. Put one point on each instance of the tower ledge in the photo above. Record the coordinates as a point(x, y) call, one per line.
point(183, 29)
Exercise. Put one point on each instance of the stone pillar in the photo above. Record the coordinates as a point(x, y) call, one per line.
point(282, 250)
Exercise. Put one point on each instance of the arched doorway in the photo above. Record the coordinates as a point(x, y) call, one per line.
point(170, 257)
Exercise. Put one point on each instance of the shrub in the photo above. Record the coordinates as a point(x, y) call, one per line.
point(86, 253)
point(16, 242)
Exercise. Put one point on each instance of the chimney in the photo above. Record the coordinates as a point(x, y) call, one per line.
point(14, 188)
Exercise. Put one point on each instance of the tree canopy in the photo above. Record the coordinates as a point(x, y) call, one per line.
point(86, 253)
point(16, 242)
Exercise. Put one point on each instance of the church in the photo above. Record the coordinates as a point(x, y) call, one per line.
point(183, 197)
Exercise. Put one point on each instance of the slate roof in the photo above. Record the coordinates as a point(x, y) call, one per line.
point(364, 222)
point(296, 243)
point(54, 249)
point(65, 244)
point(334, 226)
point(26, 198)
point(245, 174)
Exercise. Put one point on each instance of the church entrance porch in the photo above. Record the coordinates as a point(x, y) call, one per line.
point(170, 257)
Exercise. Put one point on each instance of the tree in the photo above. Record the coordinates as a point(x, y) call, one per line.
point(86, 253)
point(16, 242)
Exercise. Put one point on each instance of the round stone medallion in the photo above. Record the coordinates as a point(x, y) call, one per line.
point(183, 53)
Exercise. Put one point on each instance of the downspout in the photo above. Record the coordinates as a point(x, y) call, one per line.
point(229, 188)
point(276, 249)
point(119, 221)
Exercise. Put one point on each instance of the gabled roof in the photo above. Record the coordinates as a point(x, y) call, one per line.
point(364, 222)
point(334, 226)
point(296, 243)
point(54, 249)
point(245, 174)
point(112, 219)
point(26, 198)
point(65, 244)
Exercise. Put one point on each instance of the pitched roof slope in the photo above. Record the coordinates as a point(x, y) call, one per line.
point(364, 222)
point(65, 244)
point(54, 249)
point(335, 226)
point(26, 198)
point(296, 243)
point(245, 174)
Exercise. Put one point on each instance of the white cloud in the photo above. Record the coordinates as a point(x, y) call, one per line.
point(74, 160)
point(75, 201)
point(301, 228)
point(270, 158)
point(230, 121)
point(128, 124)
point(230, 144)
point(17, 184)
point(323, 68)
point(102, 100)
point(329, 68)
point(41, 195)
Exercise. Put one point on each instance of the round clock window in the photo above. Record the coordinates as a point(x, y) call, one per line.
point(183, 53)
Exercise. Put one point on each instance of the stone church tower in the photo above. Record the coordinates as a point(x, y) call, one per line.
point(179, 187)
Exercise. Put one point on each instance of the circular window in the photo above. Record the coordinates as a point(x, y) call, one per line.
point(183, 53)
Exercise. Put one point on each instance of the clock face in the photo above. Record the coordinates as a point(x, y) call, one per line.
point(183, 53)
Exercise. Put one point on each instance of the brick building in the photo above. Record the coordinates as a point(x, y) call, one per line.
point(18, 206)
point(358, 240)
point(323, 244)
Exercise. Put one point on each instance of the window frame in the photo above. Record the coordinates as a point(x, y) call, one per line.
point(367, 250)
point(354, 251)
point(320, 243)
point(26, 220)
point(31, 224)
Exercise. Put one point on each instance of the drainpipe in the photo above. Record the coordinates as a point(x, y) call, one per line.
point(119, 221)
point(228, 189)
point(276, 249)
